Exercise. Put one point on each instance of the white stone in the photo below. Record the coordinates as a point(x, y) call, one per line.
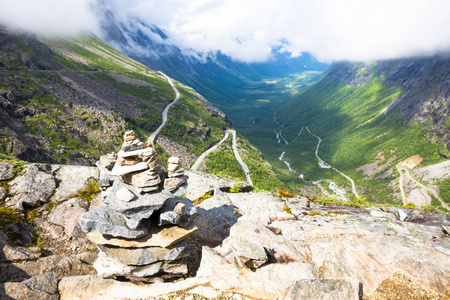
point(402, 215)
point(174, 160)
point(125, 194)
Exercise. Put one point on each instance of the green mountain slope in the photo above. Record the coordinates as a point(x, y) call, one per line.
point(379, 114)
point(70, 100)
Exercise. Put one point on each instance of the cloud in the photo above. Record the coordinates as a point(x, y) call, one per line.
point(248, 30)
point(329, 29)
point(49, 17)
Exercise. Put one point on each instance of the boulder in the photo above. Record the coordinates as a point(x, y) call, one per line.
point(67, 215)
point(172, 167)
point(324, 289)
point(216, 215)
point(157, 237)
point(32, 187)
point(268, 282)
point(108, 222)
point(6, 170)
point(71, 179)
point(41, 287)
point(257, 233)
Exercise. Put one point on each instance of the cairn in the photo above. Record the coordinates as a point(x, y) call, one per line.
point(176, 177)
point(141, 229)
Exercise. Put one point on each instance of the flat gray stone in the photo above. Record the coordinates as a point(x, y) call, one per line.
point(108, 222)
point(324, 289)
point(139, 153)
point(143, 256)
point(250, 250)
point(142, 205)
point(6, 170)
point(109, 267)
point(168, 216)
point(122, 170)
point(30, 188)
point(172, 183)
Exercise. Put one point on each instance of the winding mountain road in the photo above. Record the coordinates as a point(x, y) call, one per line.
point(204, 154)
point(236, 154)
point(154, 135)
point(425, 189)
point(327, 166)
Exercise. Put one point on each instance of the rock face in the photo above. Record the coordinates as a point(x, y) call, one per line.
point(265, 247)
point(325, 289)
point(6, 170)
point(41, 287)
point(71, 178)
point(30, 188)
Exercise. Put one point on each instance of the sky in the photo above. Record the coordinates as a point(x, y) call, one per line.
point(248, 30)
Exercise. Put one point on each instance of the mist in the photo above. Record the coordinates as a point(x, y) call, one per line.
point(49, 18)
point(332, 30)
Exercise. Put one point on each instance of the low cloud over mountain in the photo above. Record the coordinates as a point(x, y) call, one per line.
point(249, 30)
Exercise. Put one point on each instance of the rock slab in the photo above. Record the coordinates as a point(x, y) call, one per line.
point(324, 289)
point(30, 188)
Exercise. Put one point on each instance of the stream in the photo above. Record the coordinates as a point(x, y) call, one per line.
point(341, 194)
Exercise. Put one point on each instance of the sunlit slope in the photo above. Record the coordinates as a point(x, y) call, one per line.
point(360, 112)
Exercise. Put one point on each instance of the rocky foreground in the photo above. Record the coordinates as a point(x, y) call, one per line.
point(247, 245)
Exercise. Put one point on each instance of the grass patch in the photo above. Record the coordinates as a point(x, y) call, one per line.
point(88, 191)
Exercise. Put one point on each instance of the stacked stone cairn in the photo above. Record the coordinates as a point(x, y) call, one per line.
point(176, 177)
point(141, 229)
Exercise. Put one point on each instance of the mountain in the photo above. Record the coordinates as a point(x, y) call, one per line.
point(215, 75)
point(371, 117)
point(70, 100)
